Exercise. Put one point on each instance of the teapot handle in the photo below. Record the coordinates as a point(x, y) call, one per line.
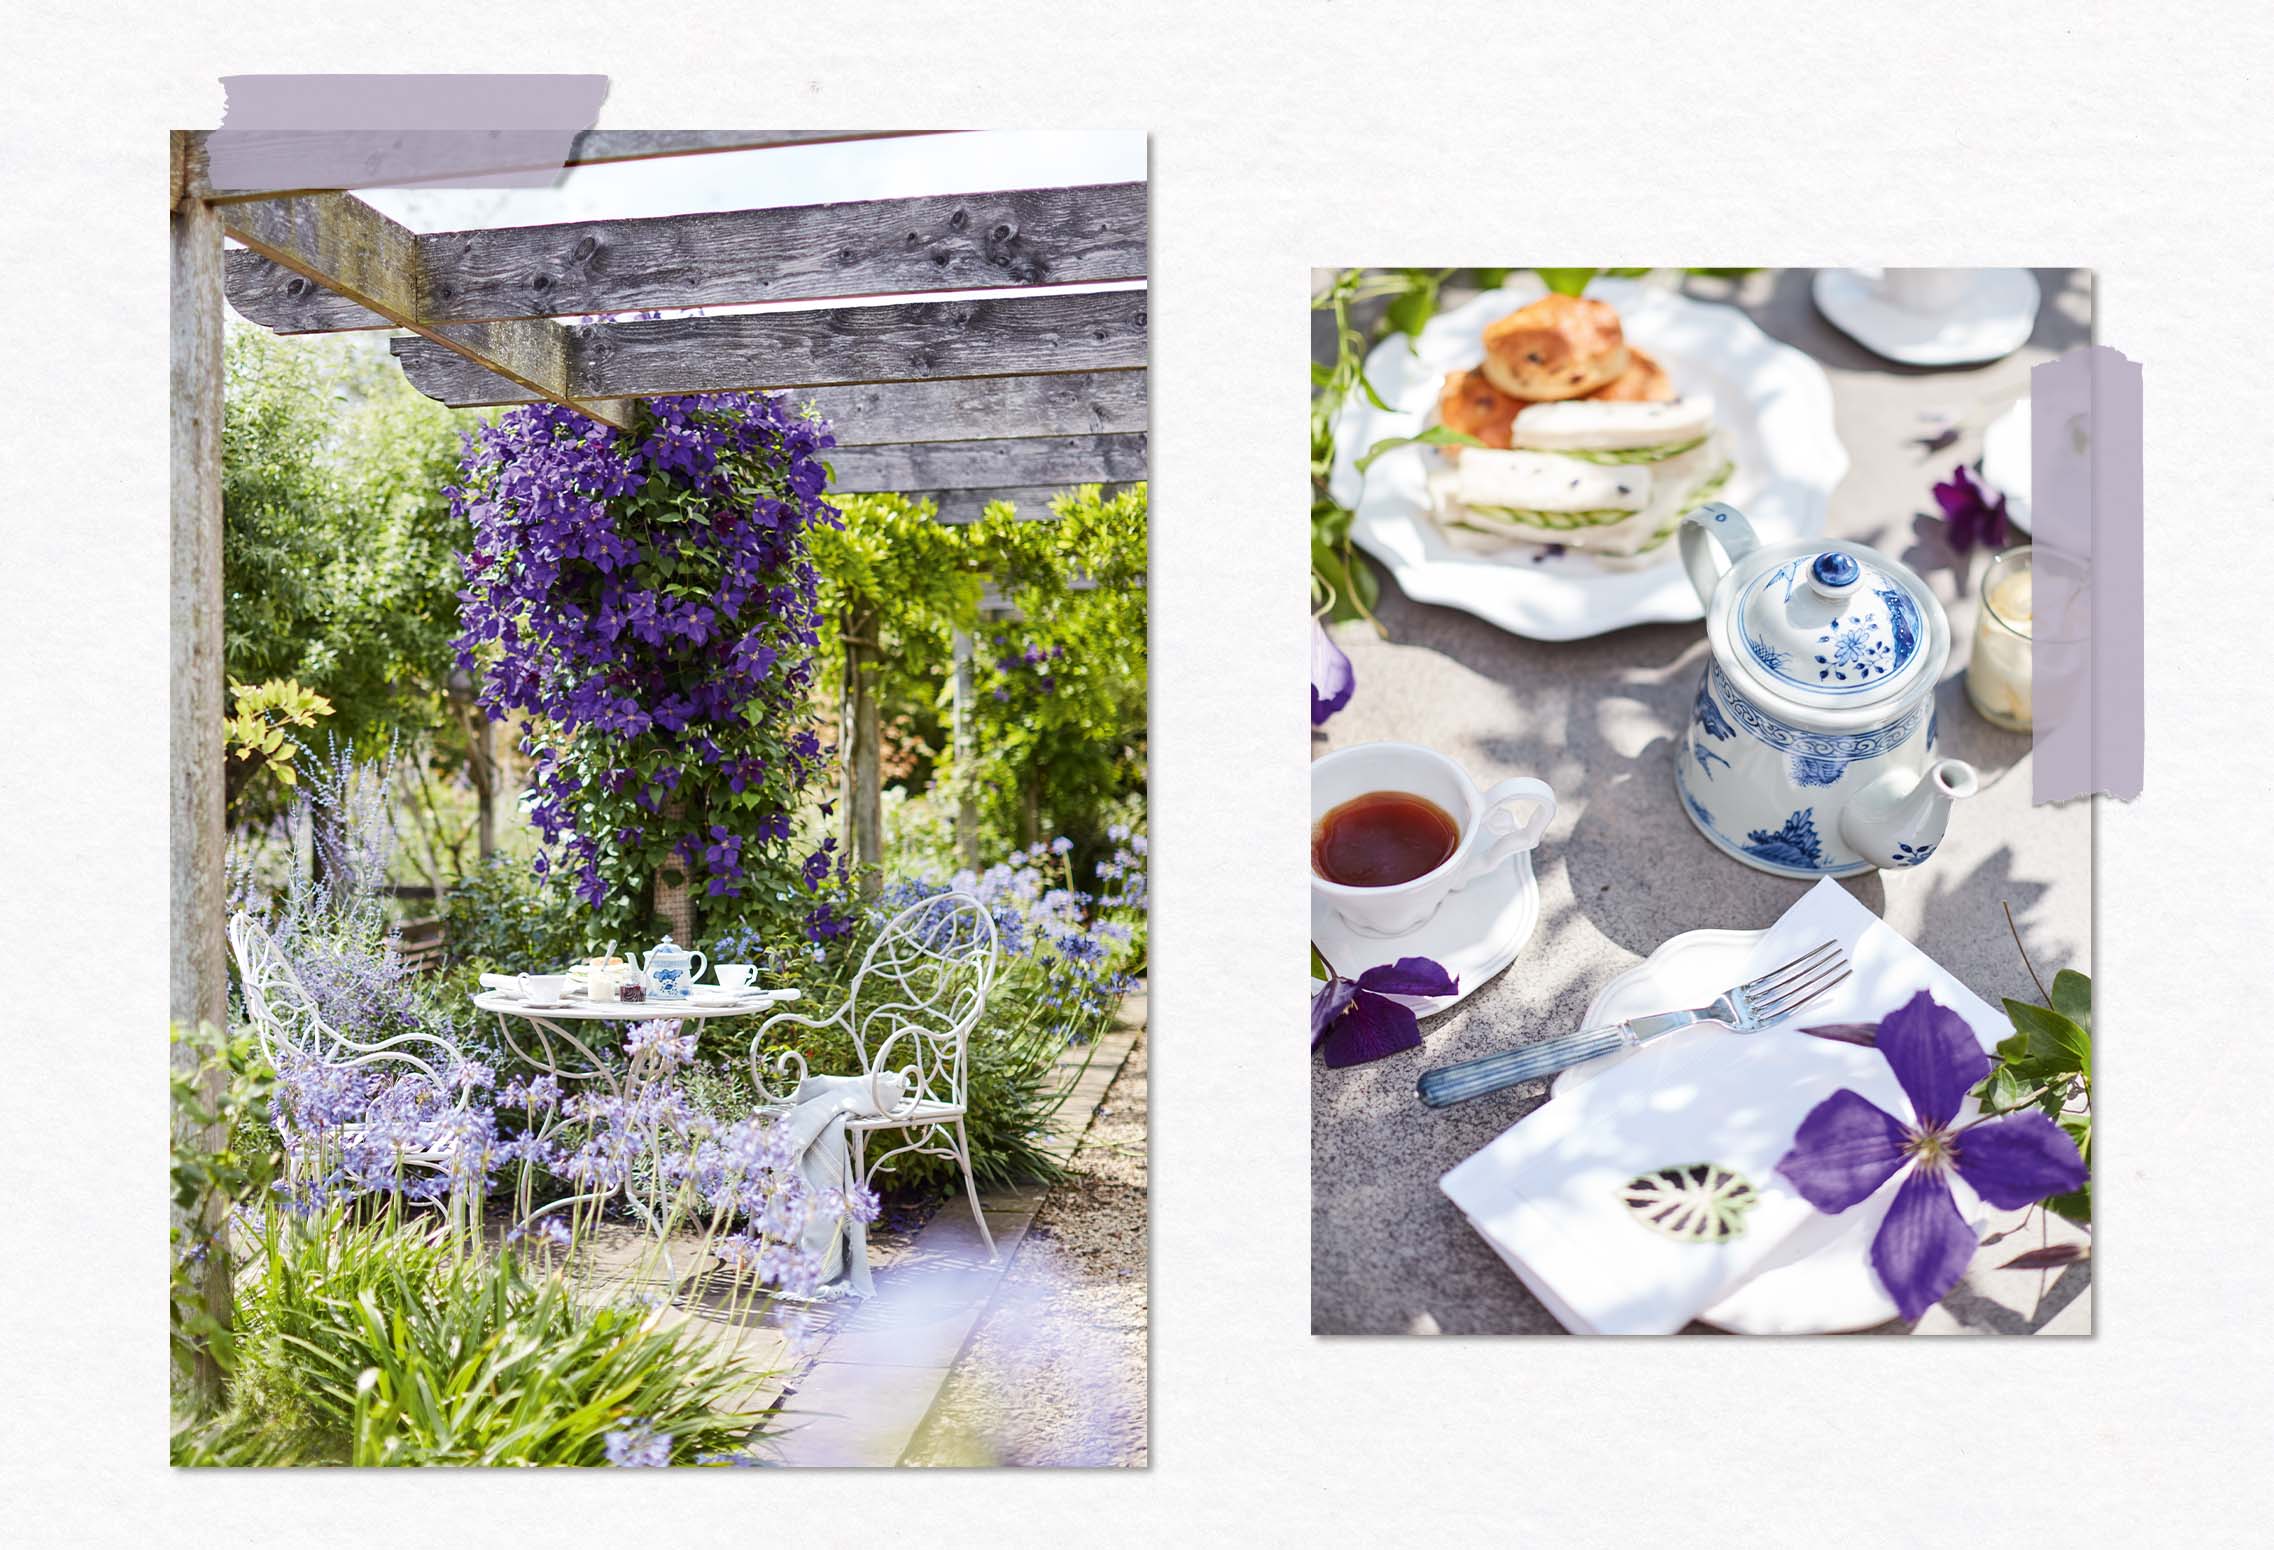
point(696, 964)
point(1715, 526)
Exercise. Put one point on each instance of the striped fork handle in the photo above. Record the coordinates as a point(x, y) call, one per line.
point(1474, 1078)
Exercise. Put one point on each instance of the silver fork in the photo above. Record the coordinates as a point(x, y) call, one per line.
point(1761, 1002)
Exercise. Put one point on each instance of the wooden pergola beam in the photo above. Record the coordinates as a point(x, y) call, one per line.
point(867, 414)
point(591, 148)
point(1055, 461)
point(342, 244)
point(826, 347)
point(956, 507)
point(878, 247)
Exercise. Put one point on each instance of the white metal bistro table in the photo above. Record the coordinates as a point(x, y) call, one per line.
point(552, 1045)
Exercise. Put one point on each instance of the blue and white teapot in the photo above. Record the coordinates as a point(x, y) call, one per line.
point(669, 970)
point(1810, 751)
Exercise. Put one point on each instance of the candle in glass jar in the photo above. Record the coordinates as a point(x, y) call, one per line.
point(1997, 677)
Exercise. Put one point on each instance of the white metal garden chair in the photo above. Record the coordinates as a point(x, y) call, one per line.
point(290, 1026)
point(919, 993)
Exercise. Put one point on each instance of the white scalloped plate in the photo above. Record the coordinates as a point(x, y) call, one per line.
point(1821, 1282)
point(1773, 402)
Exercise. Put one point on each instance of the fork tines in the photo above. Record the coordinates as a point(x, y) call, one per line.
point(1791, 986)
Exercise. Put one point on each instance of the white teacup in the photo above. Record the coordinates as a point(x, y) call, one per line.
point(1924, 290)
point(1490, 829)
point(543, 989)
point(735, 976)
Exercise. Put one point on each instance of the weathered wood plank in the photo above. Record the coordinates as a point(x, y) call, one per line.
point(960, 506)
point(342, 244)
point(873, 414)
point(985, 465)
point(826, 347)
point(955, 409)
point(197, 984)
point(592, 147)
point(877, 247)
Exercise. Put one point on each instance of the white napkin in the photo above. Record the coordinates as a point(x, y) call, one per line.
point(816, 1125)
point(1547, 1194)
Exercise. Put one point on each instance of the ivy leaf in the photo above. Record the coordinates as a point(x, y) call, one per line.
point(1492, 279)
point(2072, 998)
point(2054, 1046)
point(1435, 436)
point(1567, 282)
point(2076, 1207)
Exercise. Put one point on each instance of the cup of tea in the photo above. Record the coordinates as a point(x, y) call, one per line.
point(735, 976)
point(1924, 290)
point(543, 989)
point(1396, 829)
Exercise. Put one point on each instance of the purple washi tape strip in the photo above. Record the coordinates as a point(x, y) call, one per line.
point(288, 132)
point(2086, 439)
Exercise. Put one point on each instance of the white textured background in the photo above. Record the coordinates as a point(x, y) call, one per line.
point(2131, 139)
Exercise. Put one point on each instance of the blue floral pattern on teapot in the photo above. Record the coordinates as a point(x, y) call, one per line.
point(670, 970)
point(1810, 748)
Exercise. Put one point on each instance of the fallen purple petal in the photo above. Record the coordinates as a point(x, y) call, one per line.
point(1373, 1027)
point(1934, 1054)
point(1843, 1151)
point(2018, 1160)
point(1332, 679)
point(1923, 1246)
point(1410, 977)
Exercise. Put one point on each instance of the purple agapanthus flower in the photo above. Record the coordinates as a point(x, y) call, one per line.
point(1972, 512)
point(1354, 1021)
point(1848, 1147)
point(1331, 678)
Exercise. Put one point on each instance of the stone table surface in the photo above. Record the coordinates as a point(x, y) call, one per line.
point(1621, 869)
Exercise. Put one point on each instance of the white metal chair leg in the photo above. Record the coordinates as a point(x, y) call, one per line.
point(856, 1230)
point(971, 1188)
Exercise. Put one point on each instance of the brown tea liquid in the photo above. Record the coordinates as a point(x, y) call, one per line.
point(1382, 839)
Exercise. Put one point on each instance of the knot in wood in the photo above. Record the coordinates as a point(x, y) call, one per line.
point(587, 248)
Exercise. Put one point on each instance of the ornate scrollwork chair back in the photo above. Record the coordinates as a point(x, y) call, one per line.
point(914, 1004)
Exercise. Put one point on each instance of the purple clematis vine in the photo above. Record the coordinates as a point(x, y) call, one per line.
point(1972, 512)
point(1331, 677)
point(1848, 1147)
point(1354, 1021)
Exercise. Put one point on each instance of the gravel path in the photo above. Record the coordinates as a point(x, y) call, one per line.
point(1055, 1372)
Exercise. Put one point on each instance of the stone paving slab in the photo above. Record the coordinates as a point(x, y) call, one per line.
point(880, 1364)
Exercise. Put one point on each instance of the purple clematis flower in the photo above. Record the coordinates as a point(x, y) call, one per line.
point(1972, 512)
point(1848, 1147)
point(1355, 1021)
point(1331, 677)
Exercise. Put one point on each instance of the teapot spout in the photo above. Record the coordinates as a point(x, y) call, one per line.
point(1898, 820)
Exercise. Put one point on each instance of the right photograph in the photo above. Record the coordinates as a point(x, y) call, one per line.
point(1687, 954)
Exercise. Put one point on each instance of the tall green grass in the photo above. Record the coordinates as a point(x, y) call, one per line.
point(375, 1343)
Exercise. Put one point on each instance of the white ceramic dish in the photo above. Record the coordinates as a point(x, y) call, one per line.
point(2005, 461)
point(1477, 933)
point(1991, 319)
point(1821, 1282)
point(1770, 400)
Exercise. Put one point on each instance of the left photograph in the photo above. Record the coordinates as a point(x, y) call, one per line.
point(659, 808)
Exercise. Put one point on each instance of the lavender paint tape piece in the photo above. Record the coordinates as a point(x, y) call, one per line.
point(2086, 509)
point(289, 132)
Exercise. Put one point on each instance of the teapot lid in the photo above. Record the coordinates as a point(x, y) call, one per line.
point(667, 945)
point(1835, 627)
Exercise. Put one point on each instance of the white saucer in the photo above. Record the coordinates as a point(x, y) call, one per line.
point(1474, 935)
point(2005, 461)
point(1821, 1282)
point(1993, 319)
